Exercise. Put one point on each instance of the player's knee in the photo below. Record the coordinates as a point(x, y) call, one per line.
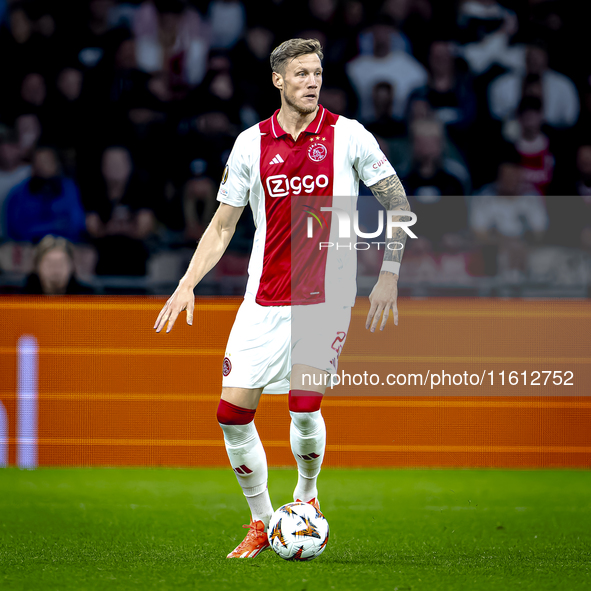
point(230, 414)
point(304, 421)
point(307, 424)
point(302, 401)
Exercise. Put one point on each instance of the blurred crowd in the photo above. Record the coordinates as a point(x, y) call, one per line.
point(117, 118)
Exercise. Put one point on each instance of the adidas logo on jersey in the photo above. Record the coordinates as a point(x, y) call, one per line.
point(276, 160)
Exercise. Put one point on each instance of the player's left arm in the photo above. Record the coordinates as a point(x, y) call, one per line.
point(383, 298)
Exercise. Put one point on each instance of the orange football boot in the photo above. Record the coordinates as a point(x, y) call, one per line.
point(254, 543)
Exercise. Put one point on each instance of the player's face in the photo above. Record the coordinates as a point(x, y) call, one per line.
point(301, 83)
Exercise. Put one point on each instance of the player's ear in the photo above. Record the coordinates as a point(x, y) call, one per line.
point(277, 80)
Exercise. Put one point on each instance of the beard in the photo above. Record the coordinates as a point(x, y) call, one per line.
point(299, 108)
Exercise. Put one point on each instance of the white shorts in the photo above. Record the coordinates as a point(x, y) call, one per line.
point(266, 341)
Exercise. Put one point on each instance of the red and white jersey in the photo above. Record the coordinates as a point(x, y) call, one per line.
point(287, 183)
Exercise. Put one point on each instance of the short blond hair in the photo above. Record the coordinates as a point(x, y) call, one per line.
point(291, 49)
point(50, 243)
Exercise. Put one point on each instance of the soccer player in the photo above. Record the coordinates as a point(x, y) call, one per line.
point(292, 324)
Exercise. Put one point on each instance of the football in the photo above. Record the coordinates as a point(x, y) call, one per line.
point(298, 531)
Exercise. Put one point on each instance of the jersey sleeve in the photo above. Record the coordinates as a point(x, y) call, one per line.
point(369, 161)
point(235, 186)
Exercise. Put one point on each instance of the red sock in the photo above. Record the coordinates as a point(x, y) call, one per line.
point(230, 414)
point(304, 401)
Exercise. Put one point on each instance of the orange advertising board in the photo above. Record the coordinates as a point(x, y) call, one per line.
point(86, 381)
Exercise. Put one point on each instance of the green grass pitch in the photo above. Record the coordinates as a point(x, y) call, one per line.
point(78, 529)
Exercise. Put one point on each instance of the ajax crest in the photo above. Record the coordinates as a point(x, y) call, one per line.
point(317, 152)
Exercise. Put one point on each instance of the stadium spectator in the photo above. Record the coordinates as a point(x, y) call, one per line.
point(172, 38)
point(123, 14)
point(533, 145)
point(44, 24)
point(486, 29)
point(449, 92)
point(19, 41)
point(207, 137)
point(418, 108)
point(571, 201)
point(338, 99)
point(396, 11)
point(227, 20)
point(150, 124)
point(557, 24)
point(430, 173)
point(401, 151)
point(582, 182)
point(421, 21)
point(321, 15)
point(582, 131)
point(250, 63)
point(532, 87)
point(33, 97)
point(109, 93)
point(504, 225)
point(199, 205)
point(413, 20)
point(120, 216)
point(130, 108)
point(13, 170)
point(575, 232)
point(344, 32)
point(92, 37)
point(54, 272)
point(217, 93)
point(398, 68)
point(66, 108)
point(47, 203)
point(69, 83)
point(574, 176)
point(384, 125)
point(28, 130)
point(511, 179)
point(560, 99)
point(443, 221)
point(66, 127)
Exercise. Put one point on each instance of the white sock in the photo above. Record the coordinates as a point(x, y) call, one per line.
point(260, 507)
point(307, 435)
point(249, 462)
point(305, 489)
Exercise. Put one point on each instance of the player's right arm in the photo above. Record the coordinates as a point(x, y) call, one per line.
point(209, 251)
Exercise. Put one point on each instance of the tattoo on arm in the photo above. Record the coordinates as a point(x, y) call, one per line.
point(390, 193)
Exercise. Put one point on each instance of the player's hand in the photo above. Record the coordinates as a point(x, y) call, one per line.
point(182, 299)
point(383, 299)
